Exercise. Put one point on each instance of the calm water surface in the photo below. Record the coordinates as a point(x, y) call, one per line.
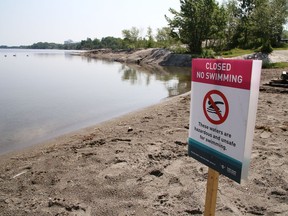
point(46, 93)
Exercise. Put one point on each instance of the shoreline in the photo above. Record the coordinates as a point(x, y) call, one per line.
point(153, 57)
point(137, 164)
point(88, 130)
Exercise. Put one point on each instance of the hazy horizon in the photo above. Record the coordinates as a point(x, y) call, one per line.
point(32, 21)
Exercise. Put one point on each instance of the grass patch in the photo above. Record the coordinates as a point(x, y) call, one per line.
point(236, 52)
point(277, 65)
point(281, 48)
point(239, 52)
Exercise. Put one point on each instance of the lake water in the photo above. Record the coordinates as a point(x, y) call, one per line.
point(46, 93)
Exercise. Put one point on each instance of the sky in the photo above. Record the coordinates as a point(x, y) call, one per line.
point(24, 22)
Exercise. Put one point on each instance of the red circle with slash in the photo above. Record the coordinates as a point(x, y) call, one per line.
point(217, 117)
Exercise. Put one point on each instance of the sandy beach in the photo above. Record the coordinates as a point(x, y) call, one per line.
point(137, 164)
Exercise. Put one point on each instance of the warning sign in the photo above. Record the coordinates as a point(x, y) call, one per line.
point(215, 107)
point(224, 98)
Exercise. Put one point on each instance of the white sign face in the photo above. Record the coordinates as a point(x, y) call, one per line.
point(224, 99)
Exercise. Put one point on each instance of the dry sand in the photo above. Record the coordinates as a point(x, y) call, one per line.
point(138, 165)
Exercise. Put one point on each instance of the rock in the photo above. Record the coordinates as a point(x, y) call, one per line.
point(265, 135)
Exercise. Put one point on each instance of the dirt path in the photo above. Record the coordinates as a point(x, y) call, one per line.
point(279, 56)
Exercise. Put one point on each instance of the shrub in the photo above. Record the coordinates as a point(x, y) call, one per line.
point(208, 53)
point(266, 48)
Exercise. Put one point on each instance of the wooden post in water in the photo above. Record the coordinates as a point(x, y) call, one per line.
point(211, 192)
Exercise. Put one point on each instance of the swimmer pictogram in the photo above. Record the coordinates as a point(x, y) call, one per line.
point(212, 109)
point(215, 107)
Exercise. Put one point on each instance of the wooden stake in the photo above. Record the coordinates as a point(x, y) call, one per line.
point(211, 193)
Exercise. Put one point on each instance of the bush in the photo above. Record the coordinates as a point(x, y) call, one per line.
point(208, 53)
point(266, 48)
point(179, 48)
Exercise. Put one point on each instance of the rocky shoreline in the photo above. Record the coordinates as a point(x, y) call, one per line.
point(152, 56)
point(163, 57)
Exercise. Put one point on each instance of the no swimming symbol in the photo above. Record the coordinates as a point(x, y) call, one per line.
point(215, 107)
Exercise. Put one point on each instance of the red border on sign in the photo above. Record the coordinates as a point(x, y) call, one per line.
point(222, 118)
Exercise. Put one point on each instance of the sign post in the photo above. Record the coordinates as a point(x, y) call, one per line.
point(211, 192)
point(224, 97)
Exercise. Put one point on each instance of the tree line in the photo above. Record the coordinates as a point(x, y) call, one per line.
point(246, 24)
point(132, 39)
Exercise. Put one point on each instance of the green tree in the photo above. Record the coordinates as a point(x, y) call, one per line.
point(260, 22)
point(131, 37)
point(279, 17)
point(192, 25)
point(45, 45)
point(111, 42)
point(217, 35)
point(233, 21)
point(244, 32)
point(87, 44)
point(164, 37)
point(261, 26)
point(96, 43)
point(150, 38)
